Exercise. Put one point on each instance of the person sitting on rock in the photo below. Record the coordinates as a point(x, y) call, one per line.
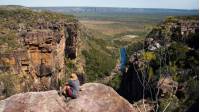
point(72, 86)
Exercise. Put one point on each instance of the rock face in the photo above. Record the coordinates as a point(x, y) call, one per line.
point(180, 29)
point(42, 54)
point(48, 101)
point(44, 43)
point(175, 29)
point(93, 98)
point(161, 70)
point(131, 87)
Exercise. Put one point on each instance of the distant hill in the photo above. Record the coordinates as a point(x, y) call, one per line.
point(118, 10)
point(7, 7)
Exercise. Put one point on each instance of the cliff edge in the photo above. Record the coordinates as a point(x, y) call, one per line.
point(94, 97)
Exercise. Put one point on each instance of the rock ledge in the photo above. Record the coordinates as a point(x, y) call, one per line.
point(94, 97)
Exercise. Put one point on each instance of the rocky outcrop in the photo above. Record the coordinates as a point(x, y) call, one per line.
point(48, 101)
point(182, 29)
point(94, 97)
point(2, 88)
point(71, 43)
point(164, 69)
point(45, 40)
point(43, 53)
point(131, 86)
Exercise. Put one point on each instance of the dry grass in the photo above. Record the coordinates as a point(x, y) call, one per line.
point(111, 28)
point(97, 22)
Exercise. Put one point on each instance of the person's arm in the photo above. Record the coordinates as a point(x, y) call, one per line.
point(70, 82)
point(67, 83)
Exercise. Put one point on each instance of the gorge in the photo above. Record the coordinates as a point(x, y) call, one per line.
point(39, 49)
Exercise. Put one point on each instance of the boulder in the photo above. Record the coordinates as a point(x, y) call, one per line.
point(96, 97)
point(93, 97)
point(48, 101)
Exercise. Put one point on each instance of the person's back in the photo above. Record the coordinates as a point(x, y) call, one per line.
point(75, 87)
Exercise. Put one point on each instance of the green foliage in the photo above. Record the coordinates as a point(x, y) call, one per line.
point(150, 72)
point(69, 65)
point(192, 94)
point(134, 48)
point(10, 82)
point(179, 60)
point(12, 19)
point(99, 59)
point(115, 82)
point(148, 56)
point(169, 104)
point(16, 83)
point(171, 19)
point(98, 64)
point(193, 88)
point(9, 39)
point(29, 17)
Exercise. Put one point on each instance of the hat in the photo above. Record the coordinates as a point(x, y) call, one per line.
point(73, 76)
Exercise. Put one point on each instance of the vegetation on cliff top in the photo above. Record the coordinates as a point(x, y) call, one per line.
point(101, 54)
point(14, 20)
point(15, 23)
point(177, 57)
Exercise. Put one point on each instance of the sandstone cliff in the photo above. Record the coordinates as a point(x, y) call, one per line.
point(94, 97)
point(42, 42)
point(180, 29)
point(166, 69)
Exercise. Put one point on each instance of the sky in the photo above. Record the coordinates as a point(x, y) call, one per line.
point(169, 4)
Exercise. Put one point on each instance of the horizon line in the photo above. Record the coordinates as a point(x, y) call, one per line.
point(114, 7)
point(109, 7)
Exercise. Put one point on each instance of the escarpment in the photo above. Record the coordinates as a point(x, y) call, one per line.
point(179, 29)
point(43, 42)
point(166, 67)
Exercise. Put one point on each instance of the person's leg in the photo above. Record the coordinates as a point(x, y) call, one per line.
point(64, 89)
point(69, 91)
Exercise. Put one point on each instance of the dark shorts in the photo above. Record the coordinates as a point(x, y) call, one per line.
point(69, 92)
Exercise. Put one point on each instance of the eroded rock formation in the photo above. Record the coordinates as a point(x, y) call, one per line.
point(94, 97)
point(163, 70)
point(44, 43)
point(180, 29)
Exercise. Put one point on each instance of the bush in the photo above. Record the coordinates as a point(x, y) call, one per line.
point(115, 82)
point(98, 64)
point(11, 83)
point(169, 104)
point(148, 56)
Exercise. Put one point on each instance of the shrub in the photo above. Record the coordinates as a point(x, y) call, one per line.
point(115, 82)
point(169, 104)
point(98, 64)
point(11, 83)
point(148, 56)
